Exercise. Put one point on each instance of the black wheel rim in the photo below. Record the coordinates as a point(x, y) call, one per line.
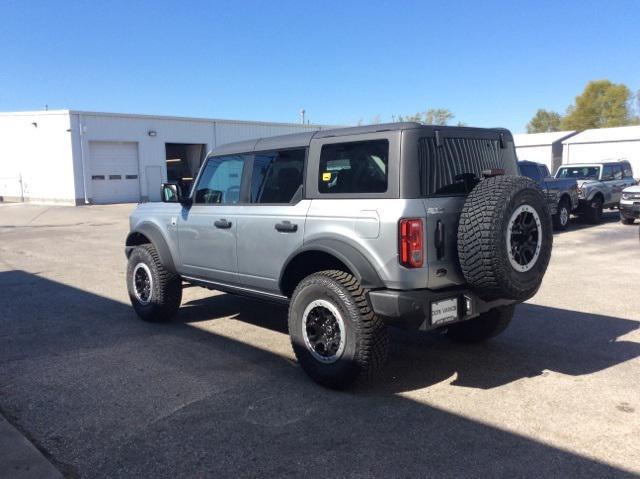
point(142, 283)
point(524, 238)
point(323, 331)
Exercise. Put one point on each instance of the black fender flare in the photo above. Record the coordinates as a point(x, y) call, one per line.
point(353, 259)
point(155, 236)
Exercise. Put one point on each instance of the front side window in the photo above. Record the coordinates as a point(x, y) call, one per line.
point(277, 176)
point(220, 180)
point(607, 173)
point(628, 172)
point(356, 167)
point(579, 172)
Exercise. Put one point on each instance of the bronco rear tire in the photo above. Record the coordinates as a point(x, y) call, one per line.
point(505, 237)
point(154, 291)
point(485, 326)
point(335, 334)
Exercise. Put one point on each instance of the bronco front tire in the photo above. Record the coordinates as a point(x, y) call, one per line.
point(335, 334)
point(154, 291)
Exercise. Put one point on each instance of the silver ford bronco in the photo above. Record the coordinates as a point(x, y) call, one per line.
point(420, 227)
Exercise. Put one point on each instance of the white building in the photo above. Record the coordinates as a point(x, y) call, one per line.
point(600, 144)
point(542, 147)
point(76, 157)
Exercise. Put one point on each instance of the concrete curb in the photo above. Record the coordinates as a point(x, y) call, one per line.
point(19, 459)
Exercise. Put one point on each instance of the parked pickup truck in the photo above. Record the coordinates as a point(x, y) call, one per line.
point(562, 193)
point(600, 185)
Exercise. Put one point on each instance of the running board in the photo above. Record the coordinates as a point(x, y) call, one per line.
point(240, 290)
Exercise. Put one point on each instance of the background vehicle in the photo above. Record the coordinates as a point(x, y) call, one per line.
point(600, 185)
point(562, 193)
point(417, 226)
point(630, 205)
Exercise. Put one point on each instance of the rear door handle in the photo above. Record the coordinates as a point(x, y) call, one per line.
point(222, 224)
point(286, 227)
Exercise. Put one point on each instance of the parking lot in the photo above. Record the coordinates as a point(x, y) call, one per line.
point(217, 392)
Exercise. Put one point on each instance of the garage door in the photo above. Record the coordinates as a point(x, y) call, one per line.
point(114, 172)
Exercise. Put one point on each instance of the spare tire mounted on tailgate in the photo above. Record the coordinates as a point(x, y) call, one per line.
point(505, 238)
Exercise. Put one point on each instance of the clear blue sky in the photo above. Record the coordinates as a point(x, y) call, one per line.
point(491, 63)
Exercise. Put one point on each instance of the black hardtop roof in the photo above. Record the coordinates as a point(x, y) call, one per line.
point(297, 140)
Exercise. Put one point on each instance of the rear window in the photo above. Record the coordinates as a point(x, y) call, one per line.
point(531, 171)
point(355, 167)
point(455, 167)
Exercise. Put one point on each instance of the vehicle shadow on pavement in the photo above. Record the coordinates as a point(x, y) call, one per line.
point(539, 339)
point(104, 394)
point(577, 223)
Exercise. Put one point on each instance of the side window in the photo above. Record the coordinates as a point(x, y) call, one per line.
point(220, 180)
point(531, 171)
point(277, 175)
point(617, 172)
point(545, 171)
point(628, 172)
point(607, 173)
point(357, 167)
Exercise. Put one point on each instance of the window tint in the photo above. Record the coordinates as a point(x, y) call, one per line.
point(545, 171)
point(276, 176)
point(220, 180)
point(358, 167)
point(617, 172)
point(628, 172)
point(580, 172)
point(607, 172)
point(531, 171)
point(455, 166)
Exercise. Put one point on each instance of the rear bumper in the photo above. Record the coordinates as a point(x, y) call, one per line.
point(412, 309)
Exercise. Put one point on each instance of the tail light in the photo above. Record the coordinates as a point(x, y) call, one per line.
point(411, 244)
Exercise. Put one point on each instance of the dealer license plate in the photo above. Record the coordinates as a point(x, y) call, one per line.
point(445, 311)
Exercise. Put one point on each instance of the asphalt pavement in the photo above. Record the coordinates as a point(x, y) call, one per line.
point(217, 392)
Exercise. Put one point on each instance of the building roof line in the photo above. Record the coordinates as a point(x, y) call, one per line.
point(310, 126)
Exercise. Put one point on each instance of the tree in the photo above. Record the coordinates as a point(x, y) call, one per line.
point(602, 104)
point(433, 116)
point(544, 121)
point(438, 116)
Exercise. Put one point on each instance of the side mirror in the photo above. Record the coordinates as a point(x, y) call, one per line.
point(172, 193)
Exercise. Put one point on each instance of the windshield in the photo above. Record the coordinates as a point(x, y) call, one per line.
point(579, 172)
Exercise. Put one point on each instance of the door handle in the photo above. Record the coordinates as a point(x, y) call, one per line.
point(286, 227)
point(222, 224)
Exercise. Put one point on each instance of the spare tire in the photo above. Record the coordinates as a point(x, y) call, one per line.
point(505, 237)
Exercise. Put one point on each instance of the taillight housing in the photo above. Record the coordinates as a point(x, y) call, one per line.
point(411, 242)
